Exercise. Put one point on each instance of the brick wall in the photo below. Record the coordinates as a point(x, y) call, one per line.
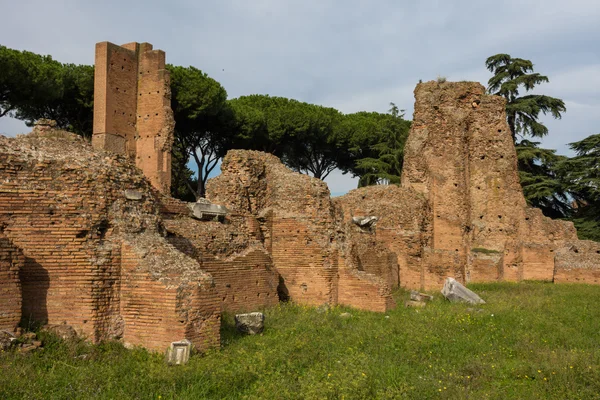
point(460, 156)
point(132, 108)
point(231, 252)
point(65, 207)
point(578, 261)
point(300, 230)
point(11, 262)
point(159, 307)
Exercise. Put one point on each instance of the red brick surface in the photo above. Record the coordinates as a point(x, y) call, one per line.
point(132, 108)
point(93, 258)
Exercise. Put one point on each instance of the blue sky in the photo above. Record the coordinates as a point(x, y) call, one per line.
point(348, 54)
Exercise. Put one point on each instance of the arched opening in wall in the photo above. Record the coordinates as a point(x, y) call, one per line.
point(35, 282)
point(282, 290)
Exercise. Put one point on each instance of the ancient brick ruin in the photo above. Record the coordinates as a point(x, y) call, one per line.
point(81, 243)
point(132, 108)
point(87, 240)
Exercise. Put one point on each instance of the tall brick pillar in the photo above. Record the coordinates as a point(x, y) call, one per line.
point(132, 108)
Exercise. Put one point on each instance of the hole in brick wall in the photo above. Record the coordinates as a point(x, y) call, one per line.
point(499, 216)
point(140, 94)
point(499, 130)
point(123, 112)
point(124, 59)
point(117, 89)
point(483, 157)
point(597, 251)
point(501, 156)
point(122, 67)
point(156, 114)
point(227, 285)
point(456, 185)
point(257, 294)
point(82, 234)
point(439, 216)
point(575, 250)
point(224, 297)
point(158, 91)
point(498, 187)
point(478, 187)
point(101, 228)
point(256, 283)
point(500, 229)
point(148, 71)
point(527, 219)
point(149, 92)
point(455, 249)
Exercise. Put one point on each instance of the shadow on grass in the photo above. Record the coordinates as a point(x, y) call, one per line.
point(229, 334)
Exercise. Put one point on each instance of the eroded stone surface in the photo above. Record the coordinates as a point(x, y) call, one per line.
point(456, 292)
point(251, 323)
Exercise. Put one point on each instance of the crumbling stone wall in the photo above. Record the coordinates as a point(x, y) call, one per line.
point(299, 229)
point(461, 158)
point(132, 108)
point(402, 228)
point(232, 252)
point(578, 262)
point(89, 228)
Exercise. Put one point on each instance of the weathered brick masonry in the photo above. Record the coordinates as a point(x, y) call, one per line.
point(232, 252)
point(86, 240)
point(88, 226)
point(461, 158)
point(313, 252)
point(132, 108)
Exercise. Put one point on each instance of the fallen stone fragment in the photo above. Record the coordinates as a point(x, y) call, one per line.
point(133, 194)
point(416, 296)
point(26, 348)
point(251, 323)
point(365, 222)
point(203, 210)
point(7, 339)
point(179, 352)
point(345, 315)
point(63, 331)
point(415, 304)
point(456, 292)
point(28, 337)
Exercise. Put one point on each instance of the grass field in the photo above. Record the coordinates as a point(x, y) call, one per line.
point(531, 341)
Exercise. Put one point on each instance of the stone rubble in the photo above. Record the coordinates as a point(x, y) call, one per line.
point(250, 323)
point(456, 292)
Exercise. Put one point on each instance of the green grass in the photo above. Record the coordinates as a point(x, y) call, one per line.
point(530, 341)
